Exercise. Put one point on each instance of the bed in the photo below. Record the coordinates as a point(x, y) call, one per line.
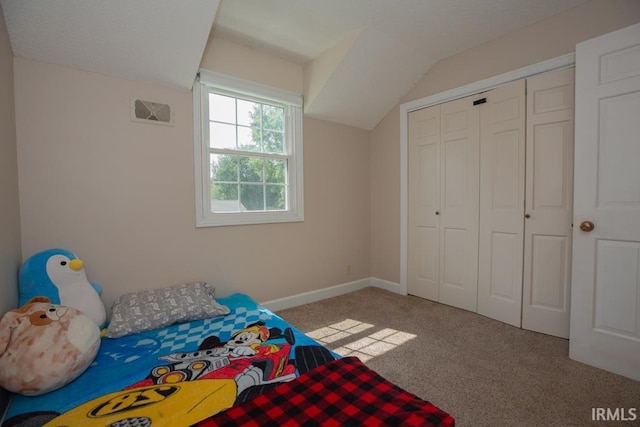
point(247, 367)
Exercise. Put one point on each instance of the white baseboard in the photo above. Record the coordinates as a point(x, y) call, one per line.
point(331, 291)
point(385, 284)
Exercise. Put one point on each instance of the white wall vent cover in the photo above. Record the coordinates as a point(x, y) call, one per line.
point(151, 112)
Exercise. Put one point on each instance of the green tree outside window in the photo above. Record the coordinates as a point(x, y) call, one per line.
point(254, 183)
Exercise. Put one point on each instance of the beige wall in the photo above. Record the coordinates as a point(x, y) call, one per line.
point(545, 40)
point(244, 62)
point(385, 198)
point(120, 194)
point(10, 256)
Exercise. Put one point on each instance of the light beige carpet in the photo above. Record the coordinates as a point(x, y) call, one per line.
point(481, 371)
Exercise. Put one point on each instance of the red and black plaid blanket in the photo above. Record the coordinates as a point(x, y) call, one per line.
point(342, 392)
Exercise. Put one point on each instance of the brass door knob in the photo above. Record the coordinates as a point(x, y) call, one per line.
point(587, 226)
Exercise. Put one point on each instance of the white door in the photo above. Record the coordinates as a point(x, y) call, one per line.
point(502, 169)
point(443, 203)
point(459, 151)
point(424, 203)
point(605, 298)
point(549, 203)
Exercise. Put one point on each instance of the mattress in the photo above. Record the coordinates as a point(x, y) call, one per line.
point(194, 373)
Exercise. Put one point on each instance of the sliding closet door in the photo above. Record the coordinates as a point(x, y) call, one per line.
point(424, 203)
point(459, 152)
point(502, 192)
point(549, 209)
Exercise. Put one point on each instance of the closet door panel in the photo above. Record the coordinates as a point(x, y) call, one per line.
point(459, 203)
point(454, 258)
point(548, 288)
point(502, 171)
point(504, 252)
point(456, 177)
point(426, 263)
point(504, 149)
point(424, 203)
point(550, 158)
point(549, 193)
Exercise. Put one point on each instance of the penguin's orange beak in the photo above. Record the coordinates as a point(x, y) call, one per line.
point(76, 264)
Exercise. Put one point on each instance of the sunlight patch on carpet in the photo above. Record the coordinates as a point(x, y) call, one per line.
point(364, 347)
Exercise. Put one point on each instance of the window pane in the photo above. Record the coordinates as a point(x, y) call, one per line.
point(252, 197)
point(222, 135)
point(276, 197)
point(222, 108)
point(249, 139)
point(251, 169)
point(224, 168)
point(273, 142)
point(275, 171)
point(273, 118)
point(224, 198)
point(249, 113)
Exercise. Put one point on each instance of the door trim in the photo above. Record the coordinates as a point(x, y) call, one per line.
point(557, 63)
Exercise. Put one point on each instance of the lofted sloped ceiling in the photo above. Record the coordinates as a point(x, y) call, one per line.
point(359, 56)
point(154, 41)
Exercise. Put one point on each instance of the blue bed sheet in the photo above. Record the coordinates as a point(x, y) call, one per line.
point(169, 355)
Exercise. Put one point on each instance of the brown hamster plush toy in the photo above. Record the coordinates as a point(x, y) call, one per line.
point(45, 346)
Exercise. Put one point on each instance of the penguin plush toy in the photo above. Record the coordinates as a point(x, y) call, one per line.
point(59, 275)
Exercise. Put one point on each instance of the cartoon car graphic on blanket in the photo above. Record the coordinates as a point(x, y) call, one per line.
point(191, 386)
point(246, 358)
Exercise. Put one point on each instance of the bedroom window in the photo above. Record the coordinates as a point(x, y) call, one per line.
point(248, 152)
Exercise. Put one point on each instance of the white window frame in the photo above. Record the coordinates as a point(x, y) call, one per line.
point(293, 140)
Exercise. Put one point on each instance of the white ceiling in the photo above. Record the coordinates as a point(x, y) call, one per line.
point(371, 52)
point(386, 45)
point(154, 41)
